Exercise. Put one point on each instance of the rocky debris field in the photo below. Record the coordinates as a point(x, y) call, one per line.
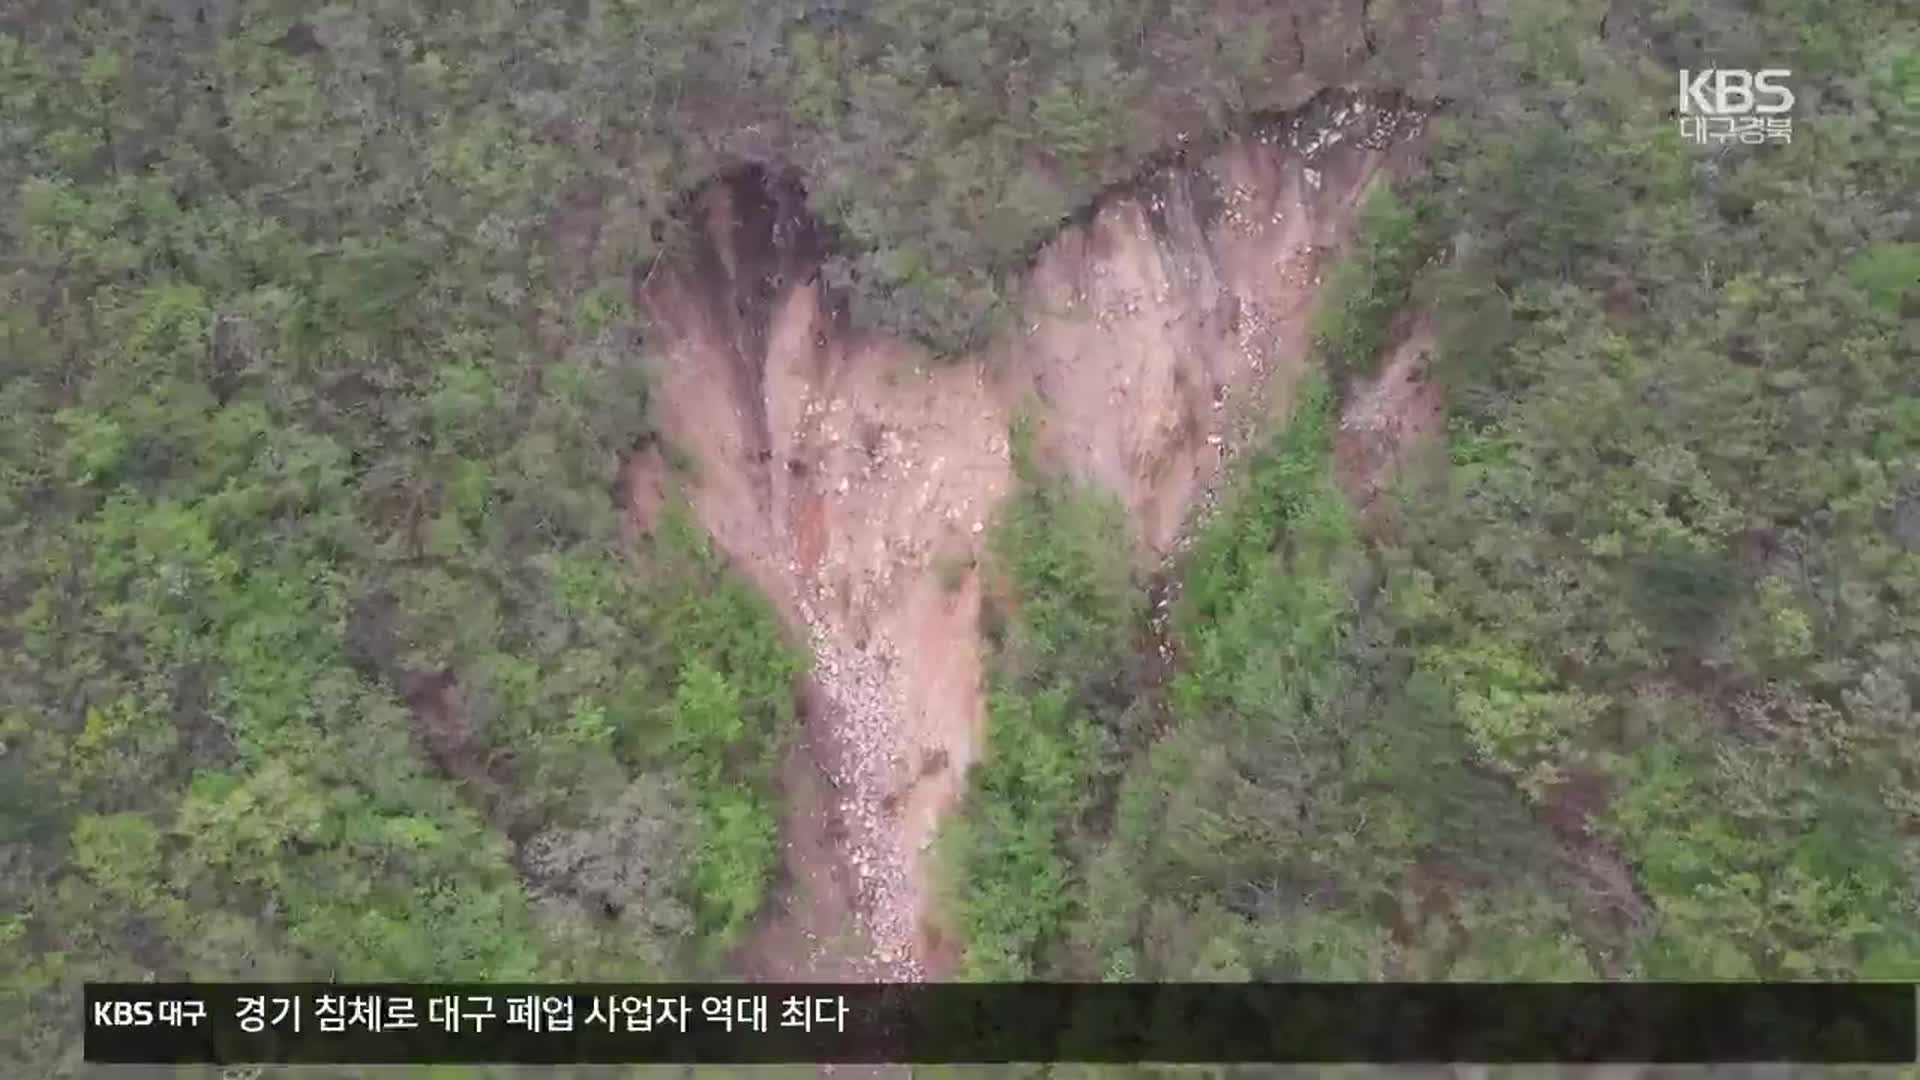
point(854, 479)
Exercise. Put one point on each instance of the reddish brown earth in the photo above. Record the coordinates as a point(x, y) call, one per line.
point(853, 479)
point(1389, 418)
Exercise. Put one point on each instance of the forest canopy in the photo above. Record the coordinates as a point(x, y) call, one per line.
point(324, 651)
point(1622, 685)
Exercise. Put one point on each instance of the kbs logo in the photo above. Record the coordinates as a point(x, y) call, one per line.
point(123, 1014)
point(1732, 92)
point(1727, 104)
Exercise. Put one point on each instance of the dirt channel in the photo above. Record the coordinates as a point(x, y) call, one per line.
point(854, 479)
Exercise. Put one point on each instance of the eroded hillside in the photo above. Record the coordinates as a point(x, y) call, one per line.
point(852, 476)
point(325, 656)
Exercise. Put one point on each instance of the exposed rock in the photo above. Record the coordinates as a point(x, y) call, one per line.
point(1156, 330)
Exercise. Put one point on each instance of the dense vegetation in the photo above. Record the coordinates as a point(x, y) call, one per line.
point(1623, 686)
point(1060, 631)
point(1668, 583)
point(324, 652)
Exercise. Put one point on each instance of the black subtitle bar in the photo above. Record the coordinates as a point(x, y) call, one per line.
point(1508, 1023)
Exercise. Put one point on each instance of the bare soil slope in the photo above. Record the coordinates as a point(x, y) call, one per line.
point(1388, 417)
point(853, 479)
